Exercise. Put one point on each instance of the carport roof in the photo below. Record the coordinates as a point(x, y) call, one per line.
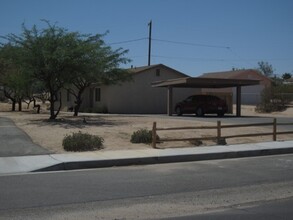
point(199, 82)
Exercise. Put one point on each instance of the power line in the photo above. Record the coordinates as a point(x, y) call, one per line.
point(172, 42)
point(128, 41)
point(190, 44)
point(189, 58)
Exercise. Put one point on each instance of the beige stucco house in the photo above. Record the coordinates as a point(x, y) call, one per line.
point(250, 95)
point(133, 97)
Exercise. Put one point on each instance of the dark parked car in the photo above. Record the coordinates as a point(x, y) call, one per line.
point(201, 105)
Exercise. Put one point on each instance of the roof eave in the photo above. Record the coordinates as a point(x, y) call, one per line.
point(196, 82)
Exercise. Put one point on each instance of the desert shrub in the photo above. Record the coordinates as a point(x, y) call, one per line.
point(142, 136)
point(275, 98)
point(196, 142)
point(82, 142)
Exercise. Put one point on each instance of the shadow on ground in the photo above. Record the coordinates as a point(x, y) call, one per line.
point(77, 122)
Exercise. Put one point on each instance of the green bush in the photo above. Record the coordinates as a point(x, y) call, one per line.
point(82, 142)
point(274, 99)
point(142, 136)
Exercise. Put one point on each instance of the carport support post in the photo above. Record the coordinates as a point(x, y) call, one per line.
point(170, 101)
point(238, 101)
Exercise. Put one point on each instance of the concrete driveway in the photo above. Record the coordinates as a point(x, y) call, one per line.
point(15, 142)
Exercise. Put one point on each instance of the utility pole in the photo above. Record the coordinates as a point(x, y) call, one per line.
point(150, 42)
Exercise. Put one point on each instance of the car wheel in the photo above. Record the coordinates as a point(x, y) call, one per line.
point(199, 112)
point(178, 111)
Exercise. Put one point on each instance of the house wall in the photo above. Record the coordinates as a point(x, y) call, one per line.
point(250, 95)
point(67, 101)
point(138, 97)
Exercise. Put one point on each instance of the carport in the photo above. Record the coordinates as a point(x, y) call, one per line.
point(198, 82)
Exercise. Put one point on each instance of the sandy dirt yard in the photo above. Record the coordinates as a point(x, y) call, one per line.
point(117, 129)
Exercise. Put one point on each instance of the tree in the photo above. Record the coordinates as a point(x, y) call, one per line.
point(286, 76)
point(51, 55)
point(265, 68)
point(15, 81)
point(100, 65)
point(56, 59)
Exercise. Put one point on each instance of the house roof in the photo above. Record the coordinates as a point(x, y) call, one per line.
point(200, 82)
point(144, 68)
point(141, 68)
point(234, 74)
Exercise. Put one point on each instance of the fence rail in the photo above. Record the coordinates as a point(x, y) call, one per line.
point(219, 128)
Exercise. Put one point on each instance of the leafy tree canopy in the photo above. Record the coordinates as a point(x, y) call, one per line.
point(286, 76)
point(265, 68)
point(57, 58)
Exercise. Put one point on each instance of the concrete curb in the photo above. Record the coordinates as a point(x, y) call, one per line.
point(178, 155)
point(102, 159)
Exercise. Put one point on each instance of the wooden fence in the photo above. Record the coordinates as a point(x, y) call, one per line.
point(219, 138)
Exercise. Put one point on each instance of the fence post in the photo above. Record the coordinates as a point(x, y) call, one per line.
point(275, 129)
point(154, 135)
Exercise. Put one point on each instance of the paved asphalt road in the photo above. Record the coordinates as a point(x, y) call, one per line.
point(276, 210)
point(15, 142)
point(153, 192)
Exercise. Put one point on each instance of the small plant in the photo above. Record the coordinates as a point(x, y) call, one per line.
point(196, 142)
point(82, 142)
point(142, 136)
point(275, 99)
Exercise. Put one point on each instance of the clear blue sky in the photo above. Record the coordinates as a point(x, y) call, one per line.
point(254, 30)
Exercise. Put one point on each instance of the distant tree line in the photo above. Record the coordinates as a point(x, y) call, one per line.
point(38, 63)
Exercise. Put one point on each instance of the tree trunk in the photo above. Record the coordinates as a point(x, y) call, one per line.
point(78, 100)
point(77, 106)
point(52, 107)
point(36, 106)
point(13, 105)
point(9, 96)
point(60, 105)
point(20, 105)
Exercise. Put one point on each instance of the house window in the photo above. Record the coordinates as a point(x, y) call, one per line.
point(97, 94)
point(158, 73)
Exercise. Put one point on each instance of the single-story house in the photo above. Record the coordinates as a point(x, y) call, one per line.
point(250, 95)
point(288, 81)
point(136, 96)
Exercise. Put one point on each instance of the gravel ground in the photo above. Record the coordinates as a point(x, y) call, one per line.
point(117, 129)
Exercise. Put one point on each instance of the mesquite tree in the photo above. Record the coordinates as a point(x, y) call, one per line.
point(60, 59)
point(99, 65)
point(15, 82)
